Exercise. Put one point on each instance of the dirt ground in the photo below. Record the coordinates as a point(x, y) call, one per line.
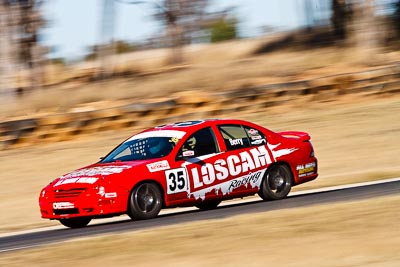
point(357, 234)
point(356, 138)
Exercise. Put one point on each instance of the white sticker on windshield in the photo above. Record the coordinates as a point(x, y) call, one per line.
point(160, 133)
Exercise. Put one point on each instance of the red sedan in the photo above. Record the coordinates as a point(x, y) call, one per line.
point(192, 163)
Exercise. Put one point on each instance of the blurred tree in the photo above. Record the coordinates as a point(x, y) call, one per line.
point(124, 47)
point(5, 44)
point(182, 19)
point(341, 16)
point(25, 21)
point(119, 47)
point(185, 21)
point(106, 49)
point(223, 30)
point(365, 24)
point(58, 61)
point(396, 18)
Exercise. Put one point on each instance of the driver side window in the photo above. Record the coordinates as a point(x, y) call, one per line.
point(201, 143)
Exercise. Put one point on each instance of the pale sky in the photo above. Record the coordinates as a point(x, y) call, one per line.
point(74, 25)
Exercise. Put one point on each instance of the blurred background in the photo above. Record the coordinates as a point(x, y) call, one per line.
point(56, 56)
point(42, 40)
point(72, 67)
point(38, 36)
point(91, 73)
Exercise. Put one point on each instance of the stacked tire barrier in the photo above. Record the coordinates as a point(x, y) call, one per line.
point(187, 105)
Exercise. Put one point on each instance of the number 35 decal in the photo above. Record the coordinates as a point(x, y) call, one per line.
point(177, 181)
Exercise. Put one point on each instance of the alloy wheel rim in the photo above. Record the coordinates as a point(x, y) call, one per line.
point(145, 198)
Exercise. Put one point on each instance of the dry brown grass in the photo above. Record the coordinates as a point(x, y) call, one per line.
point(358, 233)
point(208, 68)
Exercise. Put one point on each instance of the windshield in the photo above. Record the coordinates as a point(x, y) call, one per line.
point(142, 149)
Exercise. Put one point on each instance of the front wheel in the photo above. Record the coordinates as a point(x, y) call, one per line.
point(277, 183)
point(75, 222)
point(145, 201)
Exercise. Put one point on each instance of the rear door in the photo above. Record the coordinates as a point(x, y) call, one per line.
point(234, 166)
point(205, 169)
point(246, 157)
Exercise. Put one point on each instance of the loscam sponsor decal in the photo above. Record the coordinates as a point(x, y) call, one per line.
point(158, 166)
point(225, 174)
point(233, 166)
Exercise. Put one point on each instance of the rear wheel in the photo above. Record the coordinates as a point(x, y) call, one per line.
point(75, 222)
point(145, 201)
point(208, 205)
point(277, 183)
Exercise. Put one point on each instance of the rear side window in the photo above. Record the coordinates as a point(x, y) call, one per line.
point(256, 137)
point(234, 136)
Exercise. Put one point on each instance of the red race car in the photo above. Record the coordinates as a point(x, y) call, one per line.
point(192, 163)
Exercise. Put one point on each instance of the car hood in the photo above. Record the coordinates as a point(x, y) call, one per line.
point(90, 175)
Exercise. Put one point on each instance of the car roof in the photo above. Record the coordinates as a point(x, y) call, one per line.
point(192, 125)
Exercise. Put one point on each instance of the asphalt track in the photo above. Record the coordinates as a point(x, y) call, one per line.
point(300, 199)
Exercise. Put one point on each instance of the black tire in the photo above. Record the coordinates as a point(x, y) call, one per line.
point(208, 205)
point(145, 201)
point(276, 183)
point(75, 222)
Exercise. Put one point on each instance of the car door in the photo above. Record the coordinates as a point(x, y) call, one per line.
point(192, 172)
point(246, 157)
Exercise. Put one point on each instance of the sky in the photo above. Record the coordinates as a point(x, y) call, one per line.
point(74, 25)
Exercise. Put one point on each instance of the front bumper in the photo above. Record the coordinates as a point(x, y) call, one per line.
point(86, 205)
